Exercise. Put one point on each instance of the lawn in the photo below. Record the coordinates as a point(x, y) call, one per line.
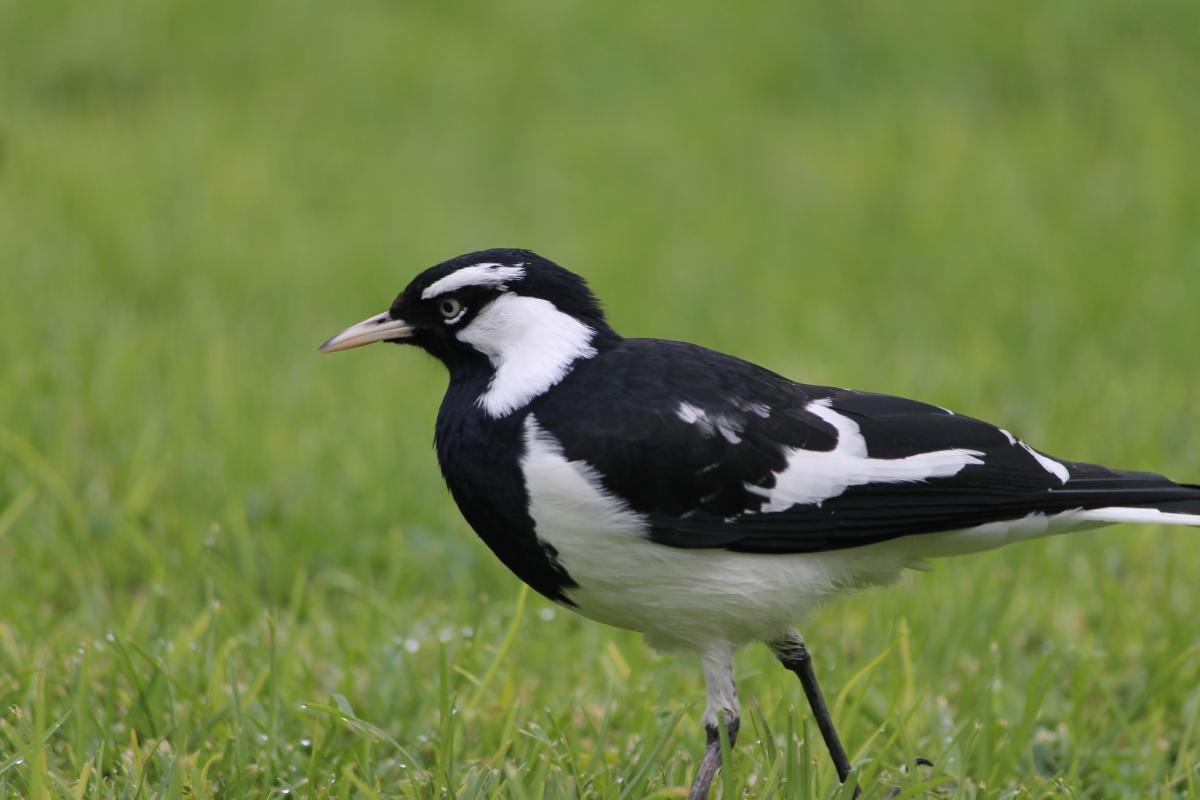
point(229, 567)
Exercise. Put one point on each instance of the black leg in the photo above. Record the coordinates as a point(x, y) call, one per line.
point(712, 759)
point(722, 704)
point(792, 653)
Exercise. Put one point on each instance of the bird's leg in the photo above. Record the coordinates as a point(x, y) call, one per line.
point(722, 704)
point(792, 653)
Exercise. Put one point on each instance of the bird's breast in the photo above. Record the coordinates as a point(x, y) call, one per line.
point(480, 461)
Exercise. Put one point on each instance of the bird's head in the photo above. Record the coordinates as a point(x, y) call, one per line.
point(502, 309)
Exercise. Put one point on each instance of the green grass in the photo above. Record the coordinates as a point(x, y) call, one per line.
point(228, 567)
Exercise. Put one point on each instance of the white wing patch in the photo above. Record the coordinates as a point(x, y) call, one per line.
point(485, 274)
point(757, 409)
point(1049, 464)
point(531, 345)
point(1045, 462)
point(816, 476)
point(729, 428)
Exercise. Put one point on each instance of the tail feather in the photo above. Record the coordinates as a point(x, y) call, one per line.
point(1153, 516)
point(1139, 498)
point(1178, 507)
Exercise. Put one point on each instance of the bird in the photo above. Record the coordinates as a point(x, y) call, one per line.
point(703, 500)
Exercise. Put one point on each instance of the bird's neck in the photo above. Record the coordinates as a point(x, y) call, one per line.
point(529, 346)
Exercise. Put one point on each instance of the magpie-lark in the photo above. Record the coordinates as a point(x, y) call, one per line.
point(701, 499)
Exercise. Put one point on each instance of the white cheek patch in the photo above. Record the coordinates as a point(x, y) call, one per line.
point(530, 343)
point(487, 274)
point(812, 477)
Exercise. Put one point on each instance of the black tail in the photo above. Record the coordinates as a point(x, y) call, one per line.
point(1135, 497)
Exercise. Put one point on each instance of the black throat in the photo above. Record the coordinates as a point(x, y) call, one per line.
point(480, 458)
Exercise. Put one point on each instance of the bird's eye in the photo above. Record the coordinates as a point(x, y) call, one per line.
point(450, 307)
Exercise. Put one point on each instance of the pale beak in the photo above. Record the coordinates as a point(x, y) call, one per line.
point(378, 328)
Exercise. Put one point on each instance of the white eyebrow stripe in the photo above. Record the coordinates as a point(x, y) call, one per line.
point(486, 274)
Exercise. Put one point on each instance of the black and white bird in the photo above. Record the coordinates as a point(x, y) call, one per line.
point(703, 500)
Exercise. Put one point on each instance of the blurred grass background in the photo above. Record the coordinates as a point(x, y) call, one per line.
point(228, 568)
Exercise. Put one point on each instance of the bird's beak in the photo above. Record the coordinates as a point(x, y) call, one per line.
point(378, 328)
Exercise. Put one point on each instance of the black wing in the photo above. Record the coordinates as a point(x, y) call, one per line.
point(720, 453)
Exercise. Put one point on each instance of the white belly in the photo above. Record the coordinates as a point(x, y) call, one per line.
point(692, 597)
point(676, 596)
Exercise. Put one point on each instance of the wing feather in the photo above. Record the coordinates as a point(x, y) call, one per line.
point(716, 452)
